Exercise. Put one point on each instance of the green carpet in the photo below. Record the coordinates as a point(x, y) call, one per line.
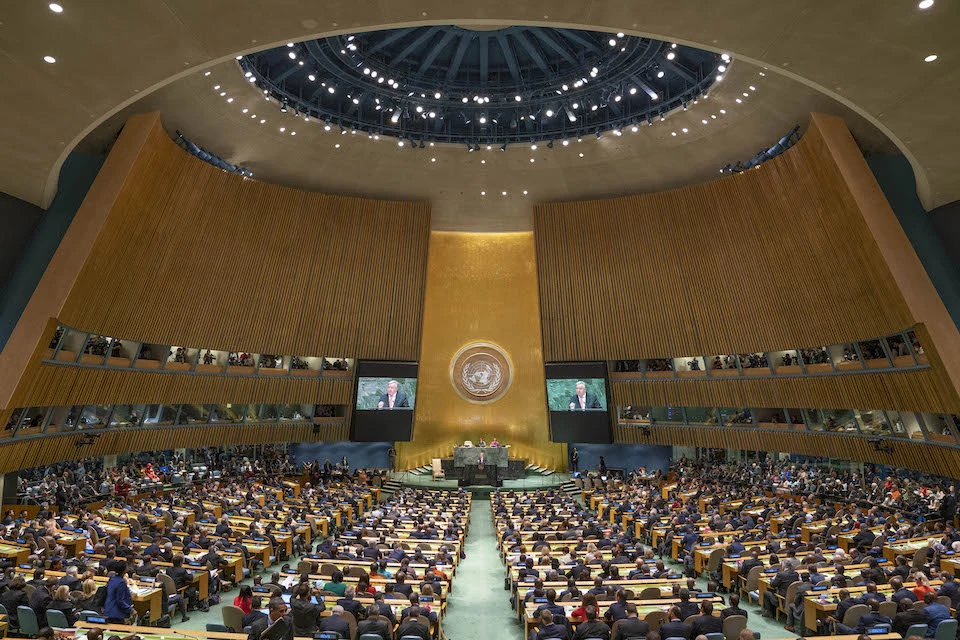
point(478, 606)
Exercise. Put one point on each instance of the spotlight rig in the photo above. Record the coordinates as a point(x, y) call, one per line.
point(881, 445)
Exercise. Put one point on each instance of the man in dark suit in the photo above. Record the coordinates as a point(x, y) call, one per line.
point(951, 589)
point(631, 626)
point(393, 398)
point(548, 629)
point(686, 607)
point(591, 627)
point(581, 400)
point(706, 623)
point(674, 627)
point(411, 626)
point(778, 586)
point(907, 616)
point(335, 623)
point(864, 538)
point(618, 610)
point(349, 603)
point(276, 626)
point(734, 608)
point(375, 625)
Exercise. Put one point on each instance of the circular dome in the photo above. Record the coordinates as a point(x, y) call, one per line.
point(462, 85)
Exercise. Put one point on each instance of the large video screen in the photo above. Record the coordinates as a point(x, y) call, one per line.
point(378, 394)
point(386, 395)
point(577, 396)
point(572, 394)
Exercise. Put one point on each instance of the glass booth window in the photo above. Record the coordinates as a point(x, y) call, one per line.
point(839, 421)
point(127, 415)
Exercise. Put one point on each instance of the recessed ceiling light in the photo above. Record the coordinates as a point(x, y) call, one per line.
point(400, 143)
point(719, 77)
point(282, 129)
point(433, 159)
point(566, 142)
point(293, 55)
point(634, 128)
point(685, 130)
point(925, 4)
point(581, 155)
point(533, 147)
point(223, 93)
point(293, 133)
point(483, 162)
point(524, 192)
point(51, 59)
point(739, 101)
point(531, 160)
point(58, 9)
point(207, 73)
point(483, 193)
point(673, 133)
point(229, 99)
point(336, 146)
point(262, 121)
point(671, 55)
point(929, 58)
point(660, 74)
point(723, 110)
point(503, 193)
point(752, 88)
point(216, 87)
point(704, 121)
point(713, 116)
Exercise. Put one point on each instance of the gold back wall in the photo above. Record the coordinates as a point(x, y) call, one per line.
point(192, 255)
point(481, 287)
point(774, 258)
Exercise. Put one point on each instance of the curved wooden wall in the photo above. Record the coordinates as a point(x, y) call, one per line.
point(778, 257)
point(42, 450)
point(941, 460)
point(192, 255)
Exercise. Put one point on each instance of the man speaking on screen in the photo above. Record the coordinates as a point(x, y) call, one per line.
point(583, 400)
point(393, 398)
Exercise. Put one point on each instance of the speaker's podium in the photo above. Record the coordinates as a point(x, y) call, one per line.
point(481, 466)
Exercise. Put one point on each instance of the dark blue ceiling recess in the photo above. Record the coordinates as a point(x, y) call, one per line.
point(506, 86)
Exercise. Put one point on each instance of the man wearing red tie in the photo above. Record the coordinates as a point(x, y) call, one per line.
point(583, 401)
point(393, 398)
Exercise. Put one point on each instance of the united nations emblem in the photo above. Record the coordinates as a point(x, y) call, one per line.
point(480, 372)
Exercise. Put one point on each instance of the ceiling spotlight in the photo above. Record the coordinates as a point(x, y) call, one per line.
point(222, 93)
point(331, 89)
point(615, 99)
point(483, 193)
point(722, 68)
point(564, 87)
point(532, 160)
point(752, 88)
point(216, 87)
point(581, 155)
point(282, 129)
point(283, 108)
point(399, 143)
point(673, 133)
point(549, 113)
point(533, 147)
point(336, 146)
point(653, 95)
point(207, 73)
point(612, 42)
point(719, 77)
point(262, 121)
point(524, 192)
point(929, 58)
point(671, 55)
point(58, 9)
point(575, 105)
point(437, 95)
point(550, 145)
point(293, 55)
point(660, 74)
point(244, 110)
point(483, 120)
point(312, 78)
point(503, 193)
point(51, 59)
point(634, 128)
point(517, 98)
point(483, 162)
point(229, 99)
point(293, 133)
point(725, 57)
point(565, 142)
point(432, 114)
point(289, 44)
point(925, 4)
point(503, 147)
point(433, 159)
point(685, 130)
point(620, 35)
point(419, 109)
point(739, 101)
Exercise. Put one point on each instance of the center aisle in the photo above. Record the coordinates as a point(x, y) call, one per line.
point(479, 604)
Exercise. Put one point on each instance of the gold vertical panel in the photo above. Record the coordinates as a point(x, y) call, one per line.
point(779, 257)
point(192, 255)
point(481, 287)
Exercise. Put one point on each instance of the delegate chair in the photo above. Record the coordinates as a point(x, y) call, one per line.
point(438, 473)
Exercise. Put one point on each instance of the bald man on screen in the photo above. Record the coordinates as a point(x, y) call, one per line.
point(393, 398)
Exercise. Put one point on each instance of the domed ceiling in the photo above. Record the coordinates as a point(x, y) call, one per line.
point(509, 85)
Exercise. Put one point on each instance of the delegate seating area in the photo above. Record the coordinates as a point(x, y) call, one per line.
point(823, 552)
point(329, 552)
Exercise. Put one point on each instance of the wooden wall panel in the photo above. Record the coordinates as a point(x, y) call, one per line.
point(774, 258)
point(32, 452)
point(932, 458)
point(192, 255)
point(53, 385)
point(918, 390)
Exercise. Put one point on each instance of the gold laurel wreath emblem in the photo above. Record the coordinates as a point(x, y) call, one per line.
point(470, 369)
